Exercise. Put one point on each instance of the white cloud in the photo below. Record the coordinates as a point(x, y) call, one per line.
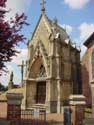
point(83, 50)
point(6, 76)
point(13, 66)
point(17, 6)
point(9, 68)
point(21, 56)
point(76, 4)
point(86, 30)
point(68, 28)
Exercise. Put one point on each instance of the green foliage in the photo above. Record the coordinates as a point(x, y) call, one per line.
point(88, 112)
point(3, 88)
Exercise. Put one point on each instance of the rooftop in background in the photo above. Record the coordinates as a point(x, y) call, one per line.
point(89, 40)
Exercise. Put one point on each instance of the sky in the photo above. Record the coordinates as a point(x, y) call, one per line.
point(76, 16)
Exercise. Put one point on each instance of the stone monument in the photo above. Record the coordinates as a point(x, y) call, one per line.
point(10, 84)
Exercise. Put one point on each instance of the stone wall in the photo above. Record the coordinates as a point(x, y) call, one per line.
point(30, 94)
point(87, 75)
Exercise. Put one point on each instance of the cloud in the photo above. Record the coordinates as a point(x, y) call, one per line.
point(6, 76)
point(85, 30)
point(68, 28)
point(13, 66)
point(21, 56)
point(83, 50)
point(17, 6)
point(76, 4)
point(9, 68)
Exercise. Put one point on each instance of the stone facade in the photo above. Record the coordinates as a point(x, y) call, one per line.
point(53, 67)
point(87, 69)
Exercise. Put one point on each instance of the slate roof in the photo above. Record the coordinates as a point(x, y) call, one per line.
point(89, 39)
point(63, 34)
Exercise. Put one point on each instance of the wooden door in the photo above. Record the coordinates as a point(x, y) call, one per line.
point(41, 92)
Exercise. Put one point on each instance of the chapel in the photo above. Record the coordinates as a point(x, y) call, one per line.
point(53, 70)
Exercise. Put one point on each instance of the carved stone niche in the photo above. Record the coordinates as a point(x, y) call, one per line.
point(42, 72)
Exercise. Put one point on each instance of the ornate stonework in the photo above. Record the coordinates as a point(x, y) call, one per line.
point(51, 64)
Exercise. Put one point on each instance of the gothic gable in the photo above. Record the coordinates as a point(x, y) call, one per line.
point(40, 58)
point(41, 33)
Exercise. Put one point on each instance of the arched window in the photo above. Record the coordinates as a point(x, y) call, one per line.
point(92, 61)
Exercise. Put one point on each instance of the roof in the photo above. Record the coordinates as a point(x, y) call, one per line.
point(17, 90)
point(89, 39)
point(49, 24)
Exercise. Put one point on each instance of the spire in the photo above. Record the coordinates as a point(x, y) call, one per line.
point(43, 6)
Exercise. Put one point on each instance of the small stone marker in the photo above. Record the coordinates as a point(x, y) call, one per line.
point(36, 113)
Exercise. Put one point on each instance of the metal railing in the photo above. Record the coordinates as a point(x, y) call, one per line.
point(28, 118)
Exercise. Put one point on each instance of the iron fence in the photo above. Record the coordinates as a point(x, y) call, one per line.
point(28, 118)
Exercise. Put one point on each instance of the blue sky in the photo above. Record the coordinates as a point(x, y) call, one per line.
point(77, 16)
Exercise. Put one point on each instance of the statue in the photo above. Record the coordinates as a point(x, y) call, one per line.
point(10, 84)
point(11, 76)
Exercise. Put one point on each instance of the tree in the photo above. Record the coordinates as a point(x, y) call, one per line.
point(3, 88)
point(10, 34)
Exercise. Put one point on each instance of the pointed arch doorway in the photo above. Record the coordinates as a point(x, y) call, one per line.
point(41, 85)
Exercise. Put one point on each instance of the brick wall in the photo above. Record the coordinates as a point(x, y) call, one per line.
point(3, 109)
point(87, 75)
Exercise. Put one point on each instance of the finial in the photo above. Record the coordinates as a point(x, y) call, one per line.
point(55, 21)
point(43, 6)
point(74, 44)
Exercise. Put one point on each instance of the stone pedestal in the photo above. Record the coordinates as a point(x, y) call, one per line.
point(77, 105)
point(14, 106)
point(39, 109)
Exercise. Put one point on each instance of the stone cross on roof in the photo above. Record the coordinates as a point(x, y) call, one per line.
point(43, 6)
